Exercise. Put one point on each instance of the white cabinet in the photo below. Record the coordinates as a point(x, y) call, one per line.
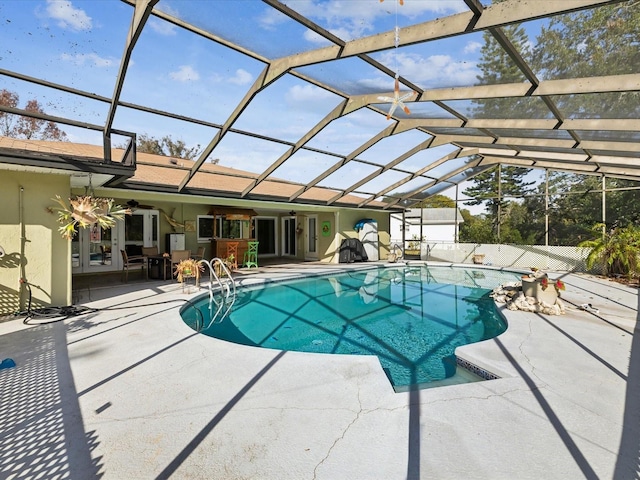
point(175, 241)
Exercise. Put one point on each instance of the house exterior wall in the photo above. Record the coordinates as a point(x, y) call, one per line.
point(328, 246)
point(346, 221)
point(325, 242)
point(180, 211)
point(44, 258)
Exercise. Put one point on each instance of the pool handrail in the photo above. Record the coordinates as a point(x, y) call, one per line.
point(222, 287)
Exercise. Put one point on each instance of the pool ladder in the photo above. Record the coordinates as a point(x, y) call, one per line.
point(227, 292)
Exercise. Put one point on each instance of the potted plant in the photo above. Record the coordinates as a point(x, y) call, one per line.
point(86, 210)
point(536, 285)
point(188, 268)
point(558, 285)
point(478, 258)
point(530, 281)
point(228, 262)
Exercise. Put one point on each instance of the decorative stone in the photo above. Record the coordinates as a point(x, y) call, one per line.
point(541, 302)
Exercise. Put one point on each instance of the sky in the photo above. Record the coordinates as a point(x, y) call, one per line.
point(80, 43)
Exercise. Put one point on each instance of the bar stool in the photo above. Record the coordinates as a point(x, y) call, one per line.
point(232, 249)
point(251, 255)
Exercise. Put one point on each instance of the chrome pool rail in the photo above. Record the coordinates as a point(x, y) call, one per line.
point(227, 291)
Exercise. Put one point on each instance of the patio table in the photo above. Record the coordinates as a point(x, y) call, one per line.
point(156, 260)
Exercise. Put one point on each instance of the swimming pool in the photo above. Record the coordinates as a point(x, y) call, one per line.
point(411, 317)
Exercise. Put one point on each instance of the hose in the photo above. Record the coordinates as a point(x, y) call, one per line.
point(45, 315)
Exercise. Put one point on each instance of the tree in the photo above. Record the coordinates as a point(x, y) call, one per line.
point(166, 146)
point(497, 67)
point(7, 99)
point(19, 126)
point(575, 204)
point(623, 206)
point(516, 225)
point(599, 41)
point(484, 190)
point(595, 42)
point(475, 228)
point(436, 201)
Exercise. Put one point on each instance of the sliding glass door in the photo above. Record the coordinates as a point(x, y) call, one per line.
point(289, 236)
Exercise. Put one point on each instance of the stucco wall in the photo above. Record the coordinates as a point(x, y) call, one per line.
point(181, 212)
point(346, 222)
point(44, 257)
point(325, 241)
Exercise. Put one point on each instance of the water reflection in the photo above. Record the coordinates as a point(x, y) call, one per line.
point(411, 318)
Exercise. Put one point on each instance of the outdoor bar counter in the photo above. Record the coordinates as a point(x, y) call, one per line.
point(219, 243)
point(219, 247)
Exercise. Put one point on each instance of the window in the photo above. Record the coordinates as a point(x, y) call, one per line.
point(229, 228)
point(225, 228)
point(205, 228)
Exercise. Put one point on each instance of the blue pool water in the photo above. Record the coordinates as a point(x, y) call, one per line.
point(412, 318)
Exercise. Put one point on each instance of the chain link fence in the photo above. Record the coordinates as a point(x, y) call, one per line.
point(557, 258)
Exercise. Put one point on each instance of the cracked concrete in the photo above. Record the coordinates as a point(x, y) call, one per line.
point(160, 401)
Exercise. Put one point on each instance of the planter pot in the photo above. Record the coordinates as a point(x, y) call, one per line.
point(529, 286)
point(532, 287)
point(549, 295)
point(478, 258)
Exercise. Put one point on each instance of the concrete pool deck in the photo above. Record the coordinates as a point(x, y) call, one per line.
point(128, 391)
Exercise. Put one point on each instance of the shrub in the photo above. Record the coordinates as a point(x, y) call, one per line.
point(617, 250)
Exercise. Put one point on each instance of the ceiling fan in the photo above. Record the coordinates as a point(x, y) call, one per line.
point(135, 205)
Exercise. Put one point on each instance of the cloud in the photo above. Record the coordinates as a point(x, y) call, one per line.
point(354, 19)
point(271, 19)
point(308, 94)
point(68, 16)
point(242, 77)
point(472, 47)
point(90, 59)
point(185, 73)
point(162, 27)
point(433, 71)
point(313, 37)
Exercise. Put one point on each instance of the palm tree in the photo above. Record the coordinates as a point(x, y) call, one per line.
point(617, 250)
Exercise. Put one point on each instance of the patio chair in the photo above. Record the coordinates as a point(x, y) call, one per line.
point(177, 256)
point(251, 255)
point(200, 254)
point(137, 261)
point(232, 250)
point(149, 251)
